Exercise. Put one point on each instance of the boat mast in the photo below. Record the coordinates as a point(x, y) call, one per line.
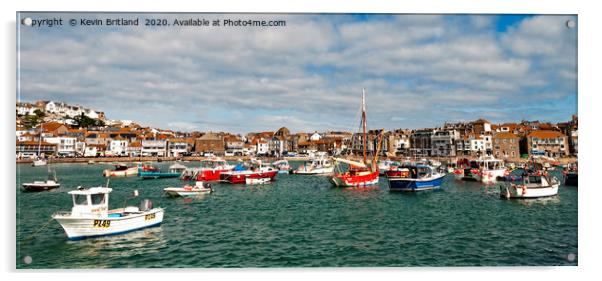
point(364, 122)
point(40, 141)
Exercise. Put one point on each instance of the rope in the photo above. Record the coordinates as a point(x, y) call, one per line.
point(38, 231)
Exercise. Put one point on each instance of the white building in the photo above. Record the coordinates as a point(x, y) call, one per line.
point(90, 151)
point(118, 147)
point(25, 109)
point(315, 137)
point(177, 148)
point(263, 147)
point(477, 145)
point(80, 148)
point(153, 148)
point(488, 143)
point(65, 145)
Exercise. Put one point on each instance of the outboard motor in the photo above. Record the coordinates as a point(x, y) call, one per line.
point(145, 205)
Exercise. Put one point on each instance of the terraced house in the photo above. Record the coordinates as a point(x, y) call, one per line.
point(547, 142)
point(506, 146)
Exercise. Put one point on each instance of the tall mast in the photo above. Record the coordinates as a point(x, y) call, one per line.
point(364, 121)
point(40, 140)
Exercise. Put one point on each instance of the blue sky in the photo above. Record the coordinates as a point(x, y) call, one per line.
point(418, 70)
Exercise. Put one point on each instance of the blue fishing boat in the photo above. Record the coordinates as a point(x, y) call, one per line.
point(174, 171)
point(420, 177)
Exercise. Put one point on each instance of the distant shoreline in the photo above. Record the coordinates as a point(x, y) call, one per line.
point(85, 160)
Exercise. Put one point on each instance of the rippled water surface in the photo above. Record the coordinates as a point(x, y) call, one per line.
point(301, 221)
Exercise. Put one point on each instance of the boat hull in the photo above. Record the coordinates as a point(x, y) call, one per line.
point(317, 171)
point(37, 163)
point(405, 184)
point(157, 175)
point(490, 176)
point(242, 176)
point(40, 187)
point(570, 179)
point(133, 171)
point(517, 192)
point(181, 192)
point(88, 227)
point(345, 180)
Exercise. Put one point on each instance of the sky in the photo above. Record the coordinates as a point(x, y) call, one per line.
point(417, 70)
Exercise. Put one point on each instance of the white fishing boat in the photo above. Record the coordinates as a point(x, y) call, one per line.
point(252, 181)
point(386, 165)
point(48, 184)
point(317, 165)
point(39, 162)
point(282, 166)
point(121, 170)
point(91, 217)
point(534, 185)
point(484, 169)
point(189, 190)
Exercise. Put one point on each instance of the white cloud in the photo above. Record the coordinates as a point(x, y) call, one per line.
point(308, 74)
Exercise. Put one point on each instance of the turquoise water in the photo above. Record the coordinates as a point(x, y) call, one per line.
point(301, 221)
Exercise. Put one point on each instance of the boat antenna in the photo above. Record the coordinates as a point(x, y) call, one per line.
point(108, 179)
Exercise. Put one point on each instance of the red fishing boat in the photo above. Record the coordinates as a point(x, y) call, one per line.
point(256, 170)
point(210, 170)
point(358, 173)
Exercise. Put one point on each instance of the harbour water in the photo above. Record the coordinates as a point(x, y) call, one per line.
point(301, 221)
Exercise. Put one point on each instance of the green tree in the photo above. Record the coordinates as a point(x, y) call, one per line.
point(83, 121)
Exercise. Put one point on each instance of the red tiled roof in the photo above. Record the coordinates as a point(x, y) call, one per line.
point(546, 134)
point(505, 135)
point(33, 143)
point(52, 126)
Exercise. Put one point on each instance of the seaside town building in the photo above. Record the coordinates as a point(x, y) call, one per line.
point(153, 148)
point(443, 143)
point(420, 142)
point(548, 143)
point(509, 141)
point(506, 146)
point(210, 143)
point(29, 149)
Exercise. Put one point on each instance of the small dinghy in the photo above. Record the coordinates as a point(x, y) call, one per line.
point(189, 190)
point(91, 217)
point(121, 170)
point(50, 183)
point(252, 181)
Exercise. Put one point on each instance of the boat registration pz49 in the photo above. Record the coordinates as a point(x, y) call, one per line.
point(91, 217)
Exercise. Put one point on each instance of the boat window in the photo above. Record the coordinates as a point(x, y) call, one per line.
point(80, 199)
point(98, 199)
point(534, 179)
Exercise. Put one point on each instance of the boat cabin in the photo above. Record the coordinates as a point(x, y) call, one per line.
point(93, 200)
point(177, 168)
point(121, 167)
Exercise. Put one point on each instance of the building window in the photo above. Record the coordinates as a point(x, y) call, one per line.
point(512, 153)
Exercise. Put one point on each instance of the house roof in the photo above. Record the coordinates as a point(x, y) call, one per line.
point(505, 135)
point(32, 142)
point(546, 134)
point(53, 126)
point(210, 136)
point(135, 144)
point(231, 138)
point(481, 121)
